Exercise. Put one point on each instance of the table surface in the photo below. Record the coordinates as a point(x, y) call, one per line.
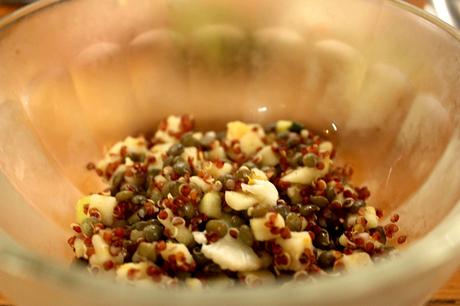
point(449, 294)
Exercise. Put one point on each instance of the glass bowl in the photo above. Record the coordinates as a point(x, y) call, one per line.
point(380, 78)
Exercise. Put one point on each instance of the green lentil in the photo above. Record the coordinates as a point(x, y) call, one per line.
point(283, 210)
point(310, 160)
point(154, 172)
point(322, 240)
point(181, 167)
point(137, 157)
point(319, 201)
point(357, 205)
point(155, 195)
point(188, 211)
point(116, 182)
point(294, 222)
point(245, 235)
point(176, 149)
point(87, 226)
point(307, 210)
point(153, 232)
point(172, 188)
point(218, 227)
point(234, 220)
point(124, 196)
point(259, 210)
point(199, 257)
point(296, 160)
point(188, 140)
point(134, 218)
point(326, 260)
point(330, 193)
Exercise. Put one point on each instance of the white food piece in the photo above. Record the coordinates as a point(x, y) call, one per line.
point(371, 216)
point(262, 232)
point(240, 200)
point(173, 125)
point(249, 135)
point(217, 152)
point(210, 205)
point(158, 164)
point(193, 283)
point(102, 253)
point(216, 172)
point(326, 146)
point(105, 205)
point(264, 191)
point(134, 145)
point(192, 153)
point(355, 260)
point(204, 186)
point(262, 277)
point(295, 246)
point(165, 137)
point(306, 175)
point(250, 143)
point(257, 174)
point(183, 256)
point(161, 148)
point(141, 271)
point(267, 157)
point(80, 248)
point(232, 254)
point(200, 237)
point(236, 130)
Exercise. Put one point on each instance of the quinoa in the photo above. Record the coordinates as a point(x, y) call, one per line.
point(249, 205)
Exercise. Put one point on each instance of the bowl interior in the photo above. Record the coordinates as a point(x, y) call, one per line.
point(80, 75)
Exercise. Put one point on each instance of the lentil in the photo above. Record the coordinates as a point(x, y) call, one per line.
point(176, 149)
point(217, 227)
point(294, 222)
point(153, 232)
point(245, 235)
point(310, 160)
point(170, 206)
point(124, 195)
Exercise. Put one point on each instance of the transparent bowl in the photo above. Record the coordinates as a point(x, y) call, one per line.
point(380, 78)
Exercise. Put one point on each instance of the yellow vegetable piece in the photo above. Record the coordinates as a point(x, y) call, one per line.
point(283, 125)
point(79, 209)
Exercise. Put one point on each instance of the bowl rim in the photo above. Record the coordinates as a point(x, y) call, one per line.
point(17, 261)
